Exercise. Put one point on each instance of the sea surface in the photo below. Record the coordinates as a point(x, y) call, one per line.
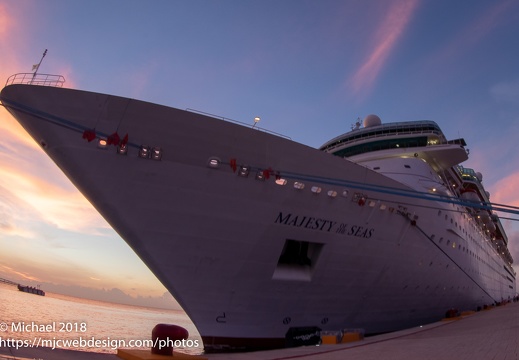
point(58, 318)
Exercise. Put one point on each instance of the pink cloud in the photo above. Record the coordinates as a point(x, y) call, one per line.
point(386, 37)
point(13, 274)
point(475, 31)
point(505, 190)
point(487, 21)
point(50, 199)
point(5, 20)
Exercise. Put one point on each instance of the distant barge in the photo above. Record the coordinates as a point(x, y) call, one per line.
point(31, 290)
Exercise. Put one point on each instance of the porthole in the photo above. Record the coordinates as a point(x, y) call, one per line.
point(332, 193)
point(315, 189)
point(299, 185)
point(102, 144)
point(213, 162)
point(281, 181)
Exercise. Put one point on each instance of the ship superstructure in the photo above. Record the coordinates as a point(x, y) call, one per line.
point(256, 235)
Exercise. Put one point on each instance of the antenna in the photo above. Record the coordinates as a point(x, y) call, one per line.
point(36, 67)
point(356, 126)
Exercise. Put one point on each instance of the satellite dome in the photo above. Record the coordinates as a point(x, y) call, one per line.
point(371, 120)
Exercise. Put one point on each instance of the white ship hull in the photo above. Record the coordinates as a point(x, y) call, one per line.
point(215, 238)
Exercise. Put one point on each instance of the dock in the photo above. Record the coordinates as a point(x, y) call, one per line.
point(484, 335)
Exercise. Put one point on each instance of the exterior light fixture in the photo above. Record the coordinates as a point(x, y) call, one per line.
point(156, 153)
point(281, 181)
point(144, 152)
point(244, 170)
point(315, 189)
point(213, 162)
point(299, 185)
point(260, 175)
point(122, 149)
point(102, 144)
point(332, 193)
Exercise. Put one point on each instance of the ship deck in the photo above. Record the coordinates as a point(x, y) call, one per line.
point(484, 335)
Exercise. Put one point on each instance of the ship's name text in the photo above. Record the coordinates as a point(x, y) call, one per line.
point(313, 223)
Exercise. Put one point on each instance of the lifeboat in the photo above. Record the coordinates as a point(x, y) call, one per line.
point(470, 195)
point(491, 226)
point(484, 216)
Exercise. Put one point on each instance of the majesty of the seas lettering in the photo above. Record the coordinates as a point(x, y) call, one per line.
point(313, 223)
point(306, 222)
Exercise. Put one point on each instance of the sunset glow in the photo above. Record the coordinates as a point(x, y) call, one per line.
point(308, 69)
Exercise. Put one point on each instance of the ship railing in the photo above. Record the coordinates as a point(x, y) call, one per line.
point(239, 122)
point(36, 79)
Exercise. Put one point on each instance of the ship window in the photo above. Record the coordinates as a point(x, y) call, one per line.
point(315, 189)
point(144, 152)
point(260, 175)
point(381, 145)
point(299, 185)
point(332, 193)
point(281, 181)
point(102, 144)
point(122, 149)
point(297, 260)
point(156, 153)
point(244, 171)
point(407, 166)
point(345, 193)
point(213, 162)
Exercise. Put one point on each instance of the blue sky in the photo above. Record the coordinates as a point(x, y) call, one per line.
point(307, 68)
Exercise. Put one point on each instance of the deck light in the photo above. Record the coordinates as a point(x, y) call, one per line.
point(256, 121)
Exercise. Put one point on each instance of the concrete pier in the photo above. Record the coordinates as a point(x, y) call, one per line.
point(485, 335)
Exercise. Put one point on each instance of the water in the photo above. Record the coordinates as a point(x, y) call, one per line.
point(70, 318)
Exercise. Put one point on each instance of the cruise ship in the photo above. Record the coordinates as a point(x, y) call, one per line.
point(258, 236)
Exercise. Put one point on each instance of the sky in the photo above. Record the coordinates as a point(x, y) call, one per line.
point(309, 69)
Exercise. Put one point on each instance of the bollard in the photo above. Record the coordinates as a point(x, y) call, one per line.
point(164, 337)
